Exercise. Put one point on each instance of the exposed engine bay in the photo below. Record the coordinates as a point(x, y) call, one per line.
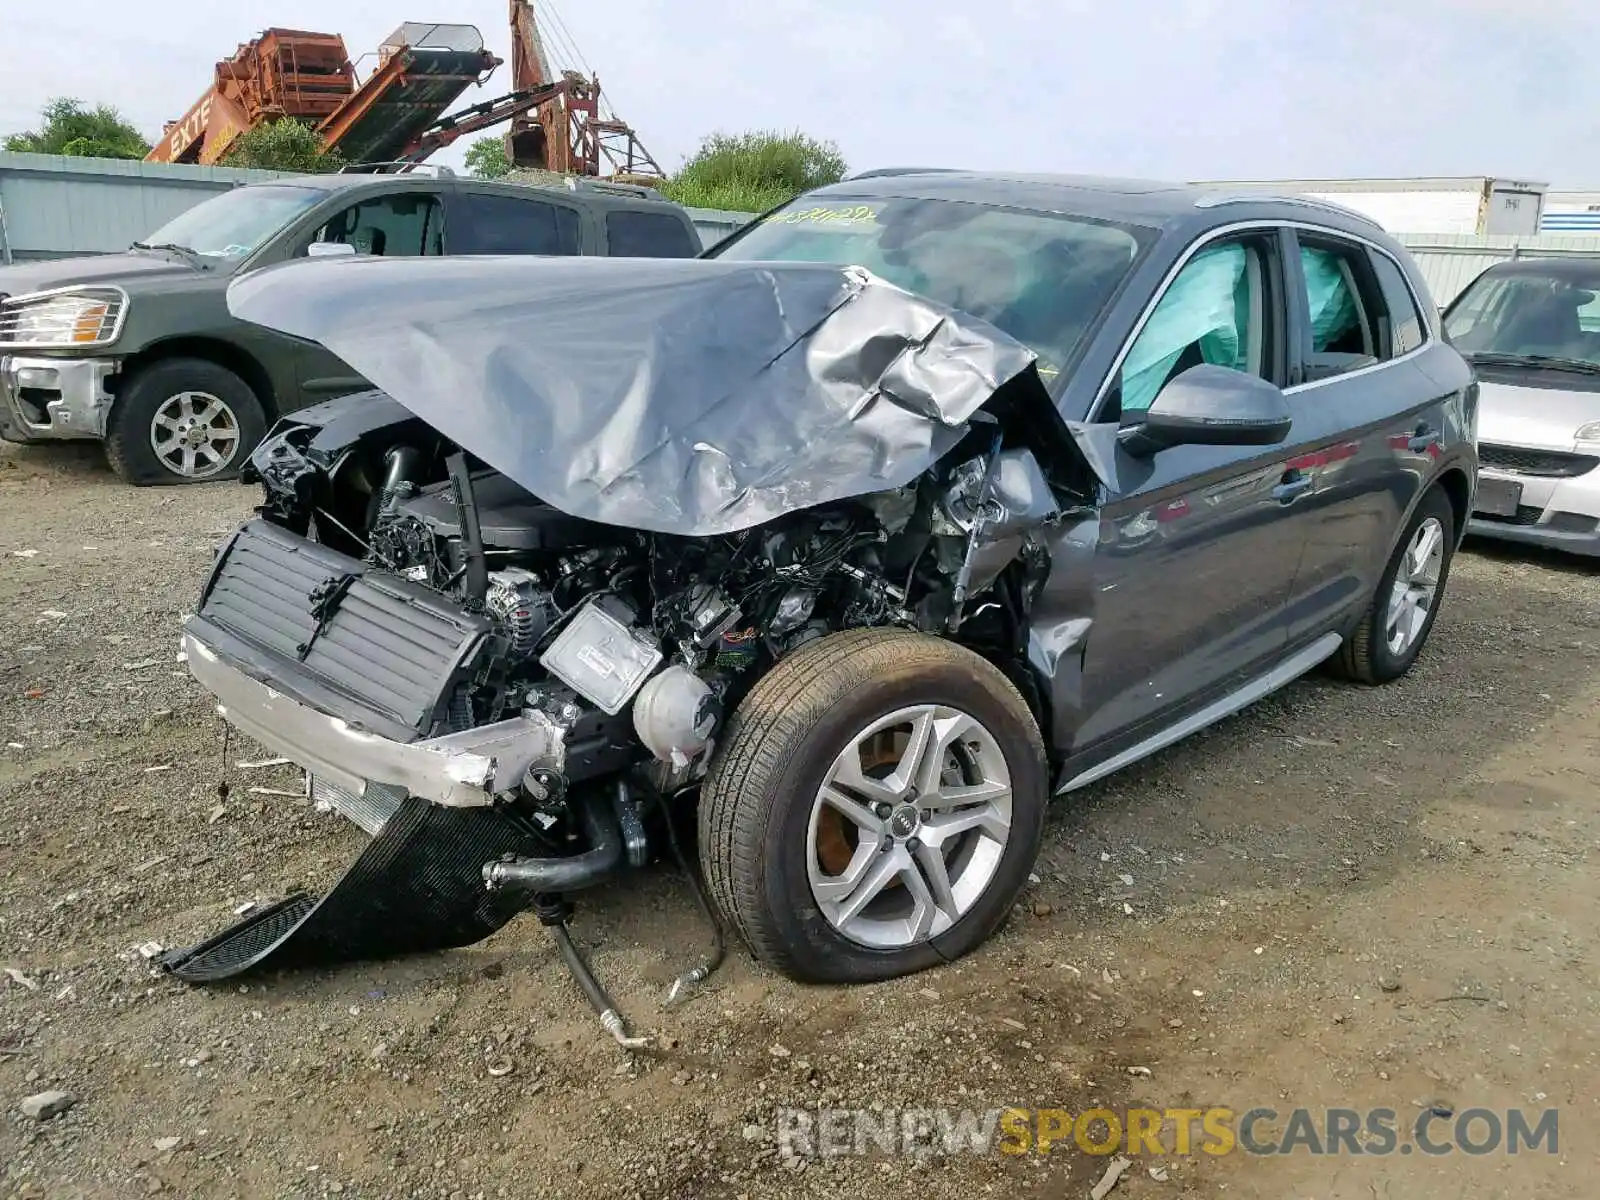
point(627, 635)
point(502, 610)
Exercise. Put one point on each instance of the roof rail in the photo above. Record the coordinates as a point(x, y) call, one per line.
point(890, 172)
point(577, 184)
point(398, 166)
point(1219, 199)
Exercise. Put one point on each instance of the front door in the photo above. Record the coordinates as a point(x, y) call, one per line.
point(397, 225)
point(1196, 548)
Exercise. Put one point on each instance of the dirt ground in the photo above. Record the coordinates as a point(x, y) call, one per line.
point(1345, 897)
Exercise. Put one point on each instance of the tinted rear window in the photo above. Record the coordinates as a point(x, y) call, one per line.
point(649, 235)
point(487, 224)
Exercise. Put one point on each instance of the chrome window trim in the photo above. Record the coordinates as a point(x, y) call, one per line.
point(1428, 315)
point(74, 289)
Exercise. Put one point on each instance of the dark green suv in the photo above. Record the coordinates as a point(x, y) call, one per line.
point(139, 350)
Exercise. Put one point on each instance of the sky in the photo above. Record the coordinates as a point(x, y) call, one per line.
point(1174, 89)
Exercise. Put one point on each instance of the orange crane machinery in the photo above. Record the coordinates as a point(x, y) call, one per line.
point(396, 116)
point(282, 73)
point(556, 121)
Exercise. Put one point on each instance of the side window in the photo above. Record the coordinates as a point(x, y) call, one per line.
point(1589, 315)
point(631, 234)
point(1219, 309)
point(1346, 316)
point(1406, 329)
point(485, 223)
point(398, 226)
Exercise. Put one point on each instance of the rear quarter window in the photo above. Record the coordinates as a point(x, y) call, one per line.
point(1408, 327)
point(632, 234)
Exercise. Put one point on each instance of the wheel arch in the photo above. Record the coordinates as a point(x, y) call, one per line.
point(1458, 488)
point(217, 351)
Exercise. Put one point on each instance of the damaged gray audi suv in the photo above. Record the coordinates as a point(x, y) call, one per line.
point(919, 500)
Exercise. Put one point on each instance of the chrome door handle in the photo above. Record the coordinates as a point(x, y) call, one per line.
point(1422, 439)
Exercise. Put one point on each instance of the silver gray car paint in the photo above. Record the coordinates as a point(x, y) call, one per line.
point(1186, 581)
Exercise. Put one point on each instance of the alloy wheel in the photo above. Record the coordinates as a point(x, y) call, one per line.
point(194, 434)
point(909, 827)
point(1416, 587)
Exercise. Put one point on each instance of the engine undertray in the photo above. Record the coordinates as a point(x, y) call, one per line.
point(418, 886)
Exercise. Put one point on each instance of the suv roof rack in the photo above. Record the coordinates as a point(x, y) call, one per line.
point(575, 183)
point(890, 172)
point(398, 166)
point(1221, 198)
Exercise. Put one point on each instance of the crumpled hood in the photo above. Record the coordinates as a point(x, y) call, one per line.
point(680, 396)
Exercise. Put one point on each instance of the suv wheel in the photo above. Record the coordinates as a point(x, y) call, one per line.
point(875, 807)
point(1393, 630)
point(183, 420)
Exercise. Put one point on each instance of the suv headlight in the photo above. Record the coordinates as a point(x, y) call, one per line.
point(1589, 432)
point(68, 319)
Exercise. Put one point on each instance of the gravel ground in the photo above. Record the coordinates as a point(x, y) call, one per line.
point(1344, 897)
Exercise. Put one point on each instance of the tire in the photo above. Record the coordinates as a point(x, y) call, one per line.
point(1368, 654)
point(158, 391)
point(763, 828)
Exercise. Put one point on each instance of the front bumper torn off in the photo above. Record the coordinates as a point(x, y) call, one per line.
point(457, 770)
point(54, 399)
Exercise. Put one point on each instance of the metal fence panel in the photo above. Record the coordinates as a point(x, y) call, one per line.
point(1449, 262)
point(52, 205)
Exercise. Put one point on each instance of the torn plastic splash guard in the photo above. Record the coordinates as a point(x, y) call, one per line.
point(691, 397)
point(417, 886)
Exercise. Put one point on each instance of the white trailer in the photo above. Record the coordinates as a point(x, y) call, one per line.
point(1466, 206)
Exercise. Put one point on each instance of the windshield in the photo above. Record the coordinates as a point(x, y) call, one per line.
point(1044, 278)
point(1529, 315)
point(236, 223)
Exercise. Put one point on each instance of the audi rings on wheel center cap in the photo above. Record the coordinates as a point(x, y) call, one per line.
point(905, 821)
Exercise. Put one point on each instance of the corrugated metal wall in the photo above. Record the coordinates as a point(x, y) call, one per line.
point(52, 206)
point(1451, 261)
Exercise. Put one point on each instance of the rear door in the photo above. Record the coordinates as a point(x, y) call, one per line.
point(1197, 551)
point(484, 222)
point(1367, 419)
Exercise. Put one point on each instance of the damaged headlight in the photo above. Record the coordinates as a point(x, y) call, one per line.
point(65, 320)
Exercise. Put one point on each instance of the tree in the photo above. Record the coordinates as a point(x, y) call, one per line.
point(70, 127)
point(752, 172)
point(284, 145)
point(486, 158)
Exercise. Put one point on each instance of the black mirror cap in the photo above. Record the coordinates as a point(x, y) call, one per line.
point(1208, 405)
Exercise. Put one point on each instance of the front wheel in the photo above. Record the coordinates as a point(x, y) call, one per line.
point(183, 420)
point(1396, 625)
point(875, 807)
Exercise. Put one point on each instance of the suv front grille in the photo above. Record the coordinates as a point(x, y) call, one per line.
point(1557, 464)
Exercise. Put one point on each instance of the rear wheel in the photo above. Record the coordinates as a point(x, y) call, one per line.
point(183, 420)
point(1396, 626)
point(875, 808)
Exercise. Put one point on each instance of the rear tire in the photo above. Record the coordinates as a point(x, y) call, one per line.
point(183, 413)
point(1395, 627)
point(935, 847)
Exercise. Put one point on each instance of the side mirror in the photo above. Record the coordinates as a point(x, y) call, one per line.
point(1209, 405)
point(330, 250)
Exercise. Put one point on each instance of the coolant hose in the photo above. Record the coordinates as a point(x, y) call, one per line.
point(555, 876)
